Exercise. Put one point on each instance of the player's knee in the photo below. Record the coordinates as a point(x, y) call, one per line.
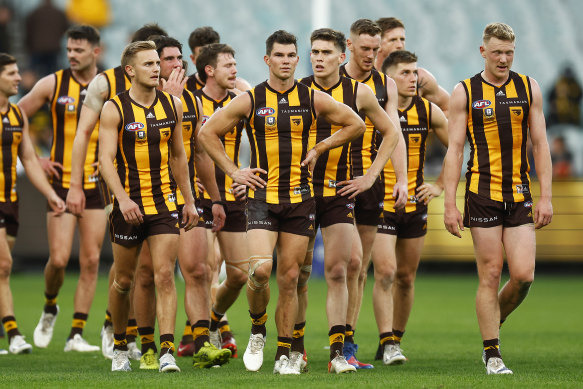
point(287, 279)
point(405, 279)
point(336, 273)
point(236, 279)
point(57, 262)
point(385, 275)
point(259, 272)
point(354, 265)
point(122, 284)
point(5, 269)
point(145, 277)
point(90, 265)
point(304, 277)
point(164, 279)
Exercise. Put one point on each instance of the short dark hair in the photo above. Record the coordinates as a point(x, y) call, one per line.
point(89, 33)
point(365, 26)
point(209, 55)
point(203, 36)
point(162, 42)
point(6, 59)
point(397, 57)
point(148, 31)
point(388, 24)
point(282, 37)
point(330, 35)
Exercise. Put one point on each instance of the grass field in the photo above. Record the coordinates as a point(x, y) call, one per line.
point(542, 342)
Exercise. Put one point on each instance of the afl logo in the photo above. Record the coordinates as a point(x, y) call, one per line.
point(65, 100)
point(205, 118)
point(135, 126)
point(479, 104)
point(265, 111)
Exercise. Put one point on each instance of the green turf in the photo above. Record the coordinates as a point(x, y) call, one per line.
point(541, 342)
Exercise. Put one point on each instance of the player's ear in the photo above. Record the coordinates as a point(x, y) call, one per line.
point(266, 59)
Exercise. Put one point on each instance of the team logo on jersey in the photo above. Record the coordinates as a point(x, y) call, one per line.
point(522, 189)
point(480, 104)
point(141, 135)
point(489, 114)
point(134, 126)
point(528, 204)
point(174, 215)
point(65, 100)
point(350, 205)
point(205, 118)
point(414, 138)
point(187, 127)
point(296, 121)
point(71, 107)
point(270, 122)
point(516, 112)
point(265, 111)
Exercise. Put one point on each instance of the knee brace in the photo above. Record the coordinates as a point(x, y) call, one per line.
point(120, 290)
point(254, 262)
point(242, 265)
point(305, 272)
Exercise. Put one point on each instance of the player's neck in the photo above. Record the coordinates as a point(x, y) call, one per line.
point(378, 63)
point(280, 85)
point(491, 79)
point(404, 102)
point(214, 90)
point(84, 77)
point(328, 81)
point(355, 72)
point(145, 96)
point(4, 103)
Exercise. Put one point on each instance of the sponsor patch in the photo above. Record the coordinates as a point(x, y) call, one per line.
point(134, 126)
point(522, 188)
point(265, 111)
point(65, 100)
point(480, 104)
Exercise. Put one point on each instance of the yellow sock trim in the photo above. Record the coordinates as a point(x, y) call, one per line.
point(120, 343)
point(336, 338)
point(397, 338)
point(224, 328)
point(214, 316)
point(492, 347)
point(107, 316)
point(187, 331)
point(10, 325)
point(298, 333)
point(283, 344)
point(147, 338)
point(133, 330)
point(168, 345)
point(260, 321)
point(50, 301)
point(79, 323)
point(349, 333)
point(200, 331)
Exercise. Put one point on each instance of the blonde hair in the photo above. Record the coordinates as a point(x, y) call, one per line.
point(133, 48)
point(498, 30)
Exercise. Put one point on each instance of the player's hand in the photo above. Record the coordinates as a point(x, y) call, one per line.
point(452, 218)
point(400, 194)
point(249, 177)
point(354, 187)
point(175, 83)
point(50, 167)
point(57, 204)
point(131, 212)
point(310, 160)
point(189, 217)
point(239, 191)
point(219, 217)
point(76, 200)
point(543, 213)
point(427, 192)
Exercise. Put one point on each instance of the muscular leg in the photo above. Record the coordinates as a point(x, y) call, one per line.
point(408, 256)
point(61, 230)
point(353, 273)
point(234, 251)
point(125, 260)
point(144, 289)
point(6, 302)
point(520, 247)
point(367, 236)
point(385, 264)
point(258, 283)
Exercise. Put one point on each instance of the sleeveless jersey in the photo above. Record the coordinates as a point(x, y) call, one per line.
point(190, 117)
point(332, 166)
point(193, 84)
point(143, 149)
point(231, 142)
point(117, 81)
point(497, 131)
point(65, 110)
point(363, 150)
point(415, 123)
point(11, 125)
point(279, 136)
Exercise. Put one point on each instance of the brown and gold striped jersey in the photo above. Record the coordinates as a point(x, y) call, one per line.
point(117, 81)
point(279, 136)
point(193, 84)
point(11, 125)
point(189, 119)
point(415, 123)
point(363, 150)
point(332, 166)
point(497, 131)
point(231, 142)
point(143, 150)
point(65, 110)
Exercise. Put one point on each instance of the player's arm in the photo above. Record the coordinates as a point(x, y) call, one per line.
point(242, 85)
point(40, 94)
point(367, 103)
point(97, 93)
point(34, 171)
point(179, 167)
point(427, 191)
point(430, 89)
point(206, 171)
point(458, 119)
point(110, 120)
point(543, 211)
point(221, 122)
point(337, 114)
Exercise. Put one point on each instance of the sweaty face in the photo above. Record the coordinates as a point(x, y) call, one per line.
point(282, 61)
point(144, 68)
point(81, 54)
point(325, 58)
point(392, 40)
point(9, 80)
point(170, 58)
point(364, 49)
point(405, 76)
point(499, 55)
point(225, 73)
